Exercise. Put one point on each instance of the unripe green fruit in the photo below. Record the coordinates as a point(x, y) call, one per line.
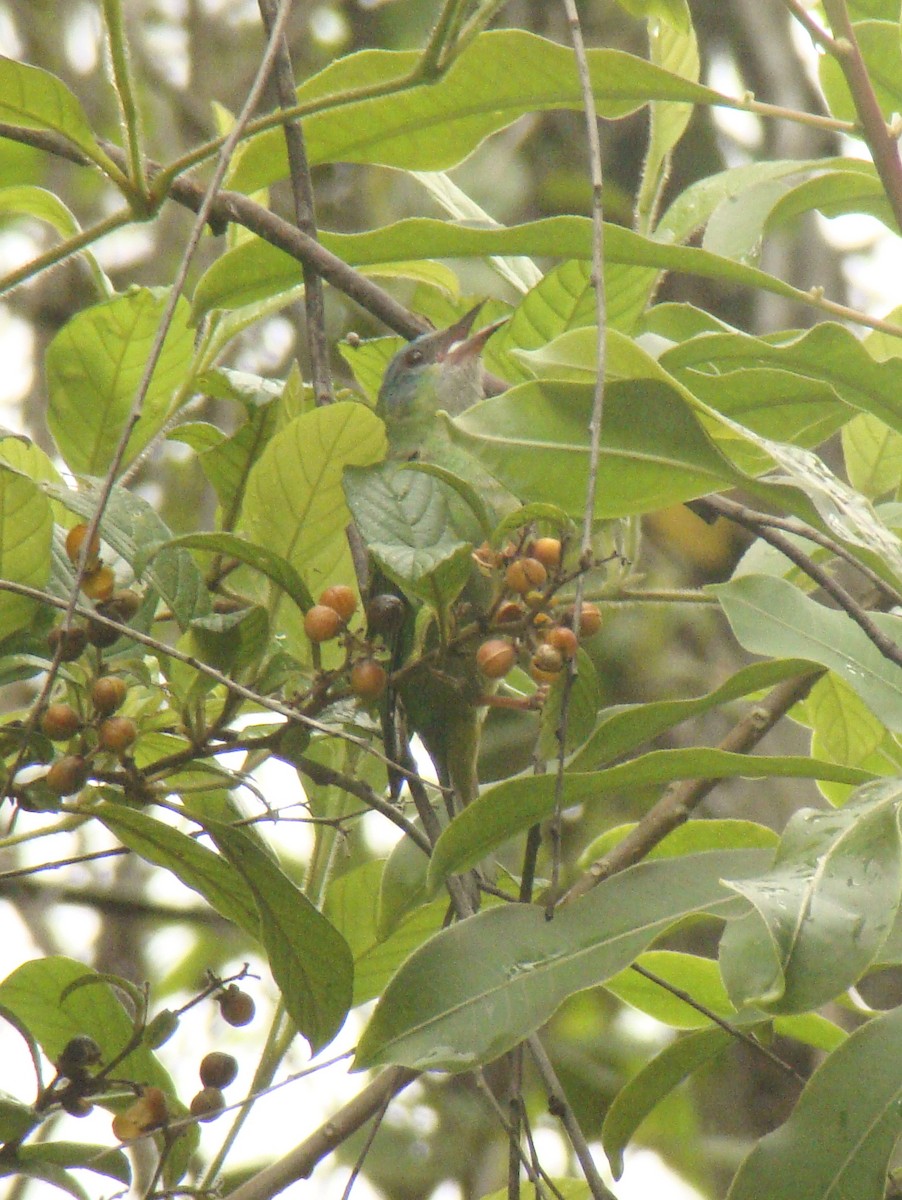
point(60, 722)
point(218, 1070)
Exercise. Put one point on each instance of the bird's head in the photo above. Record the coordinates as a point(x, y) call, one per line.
point(436, 370)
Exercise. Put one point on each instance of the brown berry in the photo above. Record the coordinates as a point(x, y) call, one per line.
point(342, 599)
point(525, 574)
point(589, 620)
point(60, 722)
point(75, 1105)
point(322, 623)
point(117, 734)
point(102, 636)
point(368, 679)
point(207, 1104)
point(236, 1006)
point(121, 606)
point(68, 774)
point(78, 1053)
point(546, 658)
point(72, 641)
point(563, 639)
point(99, 584)
point(108, 694)
point(384, 615)
point(218, 1070)
point(548, 551)
point(75, 539)
point(495, 658)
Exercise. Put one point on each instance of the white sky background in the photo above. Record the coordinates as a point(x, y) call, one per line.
point(280, 1121)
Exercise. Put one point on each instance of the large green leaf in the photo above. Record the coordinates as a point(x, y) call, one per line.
point(294, 504)
point(435, 125)
point(309, 959)
point(838, 1141)
point(94, 366)
point(823, 910)
point(654, 452)
point(878, 42)
point(26, 533)
point(196, 866)
point(770, 616)
point(516, 804)
point(268, 563)
point(404, 519)
point(478, 988)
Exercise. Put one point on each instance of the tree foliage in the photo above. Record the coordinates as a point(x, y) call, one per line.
point(224, 537)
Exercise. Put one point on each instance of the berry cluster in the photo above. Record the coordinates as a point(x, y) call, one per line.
point(100, 732)
point(528, 612)
point(328, 619)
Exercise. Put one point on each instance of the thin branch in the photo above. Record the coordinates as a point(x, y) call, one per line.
point(733, 1030)
point(300, 1162)
point(125, 94)
point(304, 212)
point(595, 421)
point(880, 140)
point(749, 519)
point(818, 35)
point(559, 1106)
point(679, 800)
point(66, 249)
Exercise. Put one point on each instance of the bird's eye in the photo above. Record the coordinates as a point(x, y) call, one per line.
point(414, 357)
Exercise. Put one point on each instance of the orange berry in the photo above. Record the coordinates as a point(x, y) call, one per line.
point(509, 613)
point(149, 1111)
point(495, 658)
point(60, 722)
point(589, 620)
point(321, 623)
point(68, 774)
point(99, 584)
point(75, 539)
point(525, 574)
point(548, 551)
point(108, 694)
point(117, 734)
point(342, 599)
point(368, 679)
point(563, 639)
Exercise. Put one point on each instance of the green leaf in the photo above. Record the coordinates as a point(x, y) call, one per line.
point(692, 837)
point(197, 867)
point(112, 1163)
point(838, 1141)
point(516, 804)
point(36, 99)
point(770, 616)
point(272, 565)
point(534, 439)
point(476, 989)
point(33, 993)
point(309, 959)
point(26, 534)
point(404, 519)
point(294, 505)
point(16, 1119)
point(94, 366)
point(657, 1079)
point(435, 125)
point(675, 13)
point(134, 530)
point(878, 42)
point(823, 910)
point(698, 976)
point(625, 727)
point(873, 456)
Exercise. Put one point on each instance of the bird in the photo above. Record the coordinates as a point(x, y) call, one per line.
point(440, 370)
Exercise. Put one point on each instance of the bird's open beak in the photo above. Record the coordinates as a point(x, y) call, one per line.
point(464, 347)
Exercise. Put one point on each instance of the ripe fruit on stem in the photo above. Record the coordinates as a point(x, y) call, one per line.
point(342, 599)
point(321, 623)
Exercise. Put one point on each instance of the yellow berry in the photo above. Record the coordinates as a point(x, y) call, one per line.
point(75, 539)
point(524, 575)
point(99, 584)
point(548, 551)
